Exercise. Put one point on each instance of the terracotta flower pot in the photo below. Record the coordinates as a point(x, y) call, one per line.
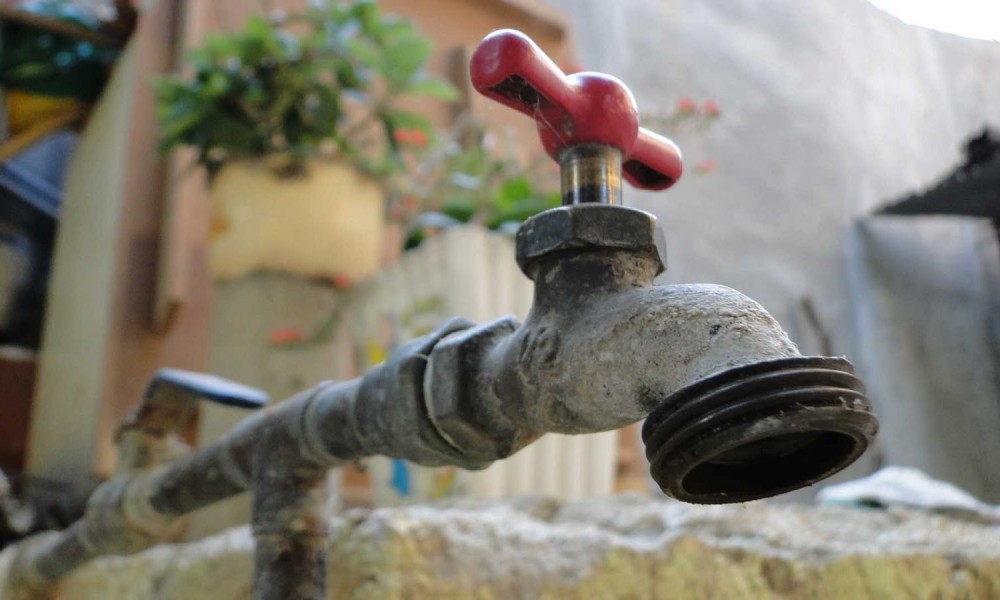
point(324, 222)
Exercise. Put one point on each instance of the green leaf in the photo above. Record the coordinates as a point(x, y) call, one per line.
point(177, 125)
point(216, 84)
point(367, 13)
point(258, 26)
point(365, 53)
point(434, 88)
point(403, 60)
point(460, 209)
point(513, 191)
point(323, 109)
point(414, 238)
point(348, 77)
point(401, 119)
point(391, 141)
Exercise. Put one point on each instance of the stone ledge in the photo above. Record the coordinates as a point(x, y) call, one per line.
point(622, 547)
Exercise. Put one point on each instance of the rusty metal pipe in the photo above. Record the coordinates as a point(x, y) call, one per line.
point(120, 518)
point(281, 454)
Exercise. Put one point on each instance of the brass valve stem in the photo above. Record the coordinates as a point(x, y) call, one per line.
point(591, 173)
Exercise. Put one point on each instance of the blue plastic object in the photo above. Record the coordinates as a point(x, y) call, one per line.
point(36, 175)
point(209, 387)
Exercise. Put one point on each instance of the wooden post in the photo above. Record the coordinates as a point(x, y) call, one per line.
point(99, 347)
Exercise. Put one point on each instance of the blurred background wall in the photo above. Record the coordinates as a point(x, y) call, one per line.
point(828, 110)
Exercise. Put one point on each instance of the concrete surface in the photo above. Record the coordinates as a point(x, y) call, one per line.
point(620, 547)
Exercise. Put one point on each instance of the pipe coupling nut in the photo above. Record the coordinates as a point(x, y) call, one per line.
point(588, 227)
point(462, 414)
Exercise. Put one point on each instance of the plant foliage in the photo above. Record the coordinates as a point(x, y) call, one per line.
point(468, 179)
point(327, 79)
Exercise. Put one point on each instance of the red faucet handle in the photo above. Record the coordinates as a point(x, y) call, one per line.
point(583, 108)
point(654, 163)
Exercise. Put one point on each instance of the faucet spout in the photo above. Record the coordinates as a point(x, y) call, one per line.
point(614, 360)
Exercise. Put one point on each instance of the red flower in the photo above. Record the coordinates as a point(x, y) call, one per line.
point(686, 106)
point(412, 137)
point(410, 202)
point(291, 335)
point(705, 166)
point(711, 108)
point(341, 282)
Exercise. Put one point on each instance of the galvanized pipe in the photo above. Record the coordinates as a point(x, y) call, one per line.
point(282, 454)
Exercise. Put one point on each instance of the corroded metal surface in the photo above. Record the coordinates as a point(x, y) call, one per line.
point(589, 227)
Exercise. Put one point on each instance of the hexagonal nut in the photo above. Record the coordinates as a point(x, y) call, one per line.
point(453, 394)
point(589, 226)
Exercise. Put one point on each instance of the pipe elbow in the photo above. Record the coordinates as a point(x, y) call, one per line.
point(616, 360)
point(695, 331)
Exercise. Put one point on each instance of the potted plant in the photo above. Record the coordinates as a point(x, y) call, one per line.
point(462, 179)
point(297, 119)
point(466, 178)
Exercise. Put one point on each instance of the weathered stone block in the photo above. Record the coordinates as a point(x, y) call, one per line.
point(622, 547)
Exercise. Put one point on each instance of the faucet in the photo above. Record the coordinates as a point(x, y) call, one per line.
point(732, 411)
